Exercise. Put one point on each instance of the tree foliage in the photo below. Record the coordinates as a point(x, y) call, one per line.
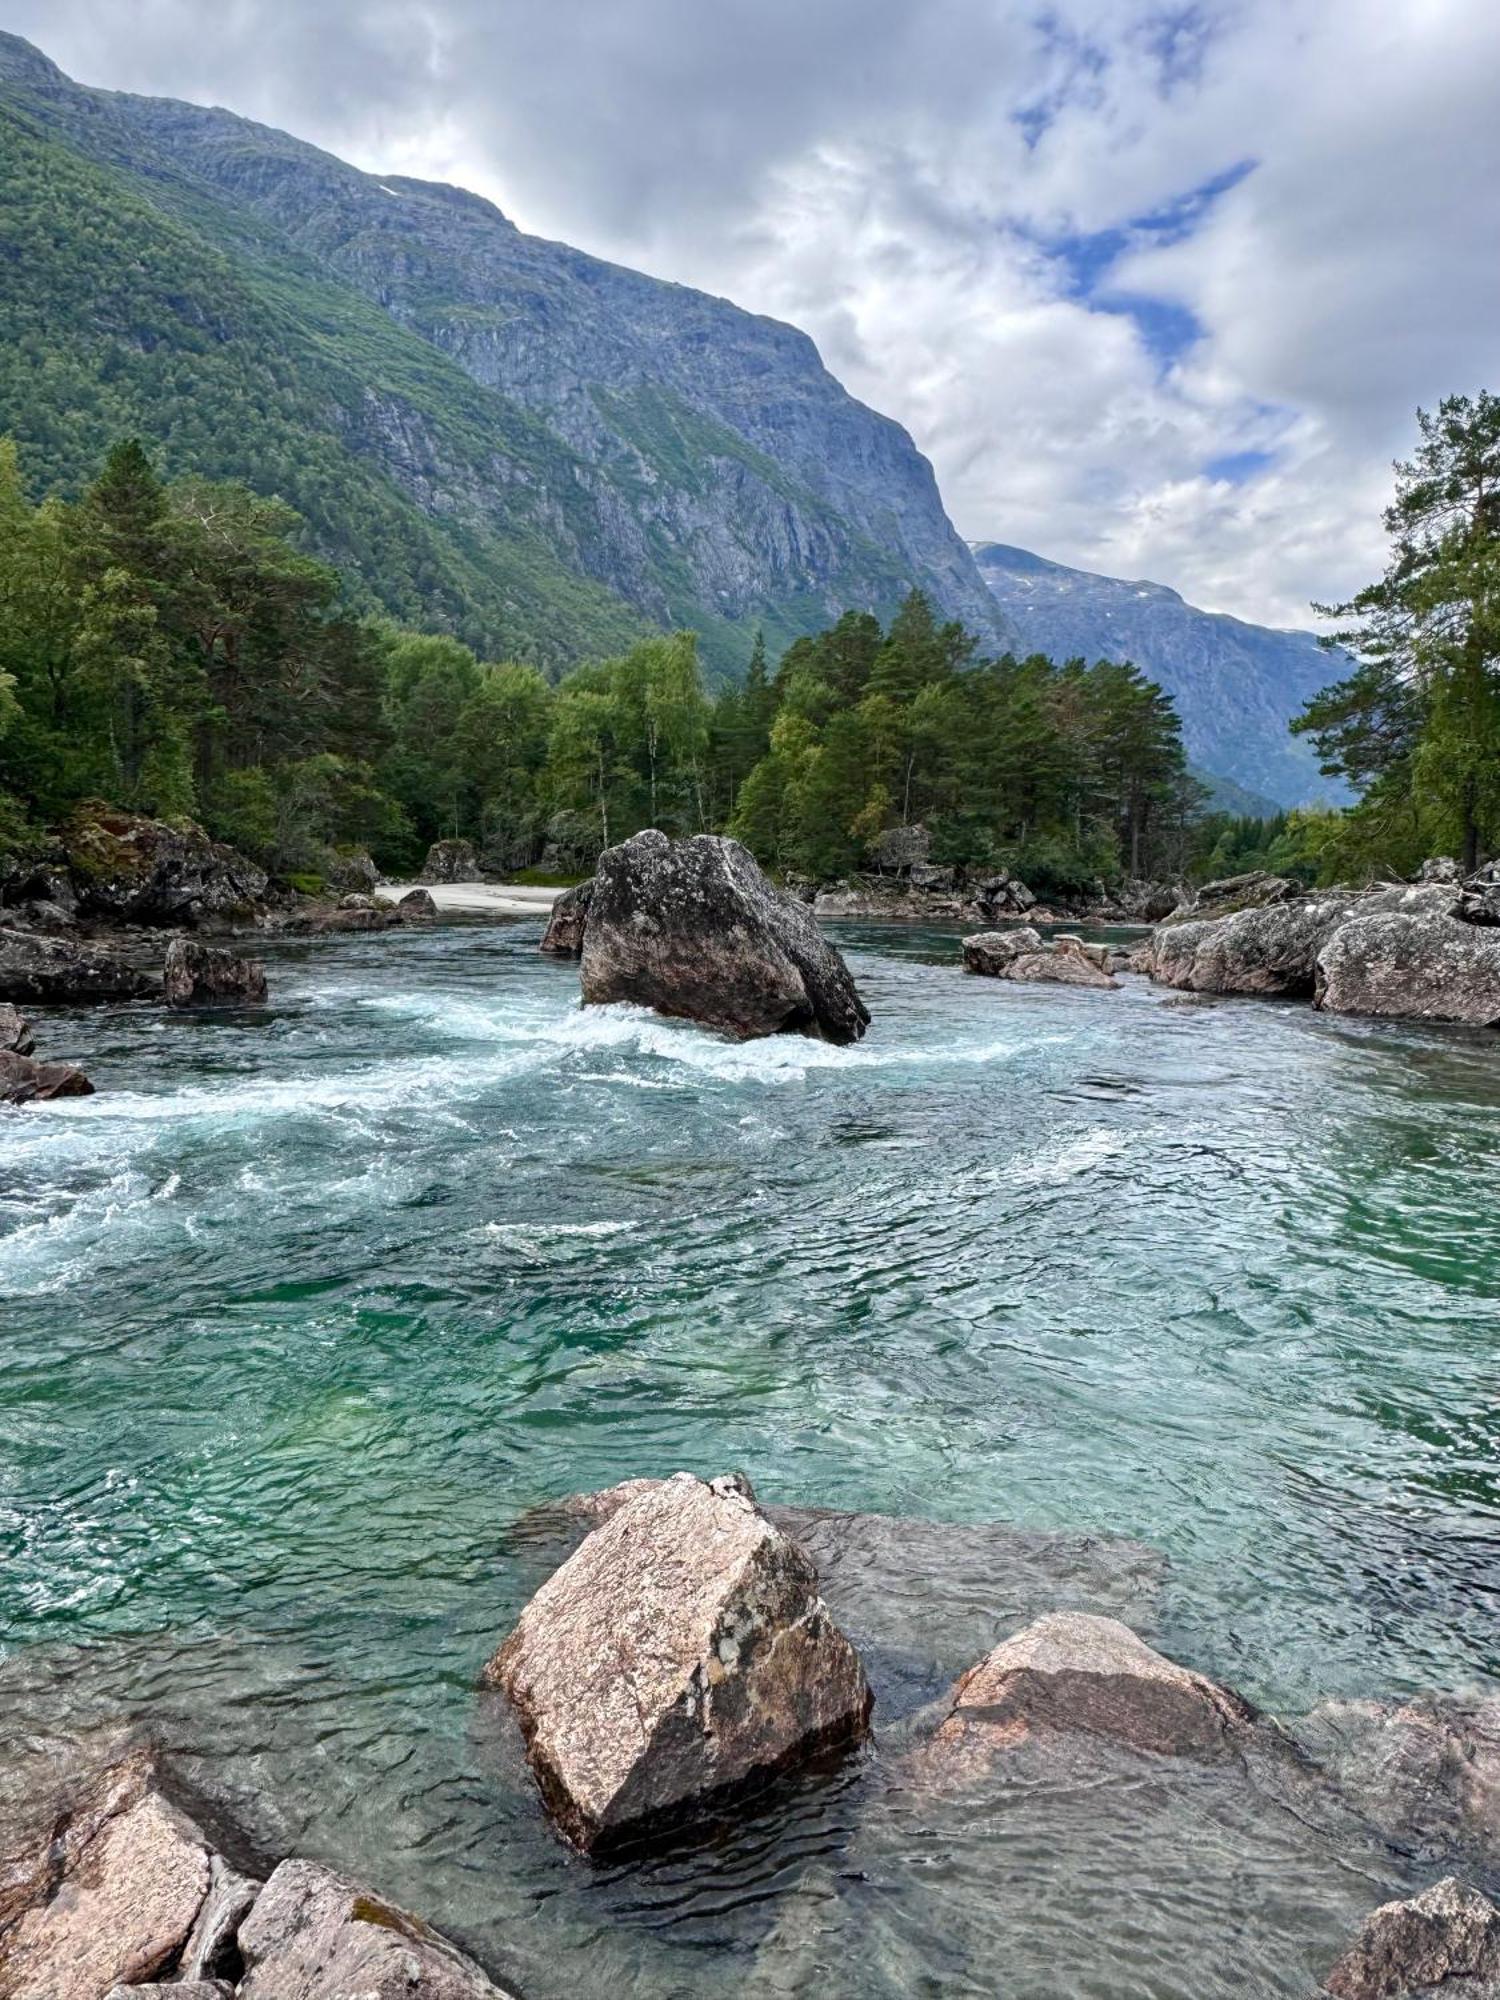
point(1065, 772)
point(1416, 725)
point(170, 648)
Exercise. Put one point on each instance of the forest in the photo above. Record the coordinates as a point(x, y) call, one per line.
point(165, 646)
point(168, 647)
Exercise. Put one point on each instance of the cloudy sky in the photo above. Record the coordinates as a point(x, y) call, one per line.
point(1157, 287)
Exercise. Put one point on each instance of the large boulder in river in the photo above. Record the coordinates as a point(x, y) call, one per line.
point(1412, 964)
point(314, 1935)
point(23, 1080)
point(133, 870)
point(563, 937)
point(64, 972)
point(451, 861)
point(1270, 950)
point(693, 928)
point(1070, 1673)
point(1450, 1932)
point(1022, 955)
point(681, 1654)
point(199, 975)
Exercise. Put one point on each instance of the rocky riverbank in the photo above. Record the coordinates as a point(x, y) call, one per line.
point(1423, 951)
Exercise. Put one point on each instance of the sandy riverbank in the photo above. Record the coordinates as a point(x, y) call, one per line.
point(495, 899)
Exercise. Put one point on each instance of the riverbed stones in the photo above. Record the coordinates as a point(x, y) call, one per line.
point(681, 1654)
point(24, 1080)
point(692, 928)
point(106, 1890)
point(1022, 955)
point(201, 975)
point(316, 1935)
point(563, 937)
point(1450, 1932)
point(1071, 1673)
point(66, 972)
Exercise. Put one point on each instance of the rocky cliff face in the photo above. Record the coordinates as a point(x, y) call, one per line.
point(696, 460)
point(1236, 686)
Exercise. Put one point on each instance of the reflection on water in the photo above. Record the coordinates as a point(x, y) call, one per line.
point(303, 1314)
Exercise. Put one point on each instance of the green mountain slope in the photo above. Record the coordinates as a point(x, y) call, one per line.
point(487, 433)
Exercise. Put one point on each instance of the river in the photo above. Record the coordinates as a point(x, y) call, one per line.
point(304, 1312)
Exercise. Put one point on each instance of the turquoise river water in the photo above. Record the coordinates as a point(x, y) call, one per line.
point(305, 1312)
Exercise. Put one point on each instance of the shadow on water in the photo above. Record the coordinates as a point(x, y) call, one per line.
point(304, 1313)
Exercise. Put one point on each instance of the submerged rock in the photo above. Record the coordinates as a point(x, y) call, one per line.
point(129, 869)
point(15, 1032)
point(451, 861)
point(315, 1935)
point(1425, 1771)
point(64, 972)
point(563, 937)
point(680, 1655)
point(200, 975)
point(1073, 1673)
point(1021, 954)
point(693, 928)
point(23, 1080)
point(1449, 1932)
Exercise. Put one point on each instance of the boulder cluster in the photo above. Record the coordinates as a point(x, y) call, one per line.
point(693, 1652)
point(903, 881)
point(114, 1890)
point(1022, 954)
point(1426, 951)
point(1422, 951)
point(685, 1654)
point(692, 928)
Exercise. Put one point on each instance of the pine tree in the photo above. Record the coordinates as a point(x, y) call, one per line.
point(1417, 724)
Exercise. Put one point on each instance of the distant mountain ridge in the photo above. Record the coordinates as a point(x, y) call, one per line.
point(556, 450)
point(1236, 685)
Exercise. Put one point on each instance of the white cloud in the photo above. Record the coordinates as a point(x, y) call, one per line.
point(862, 167)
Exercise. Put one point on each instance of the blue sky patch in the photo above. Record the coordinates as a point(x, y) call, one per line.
point(1239, 467)
point(1086, 259)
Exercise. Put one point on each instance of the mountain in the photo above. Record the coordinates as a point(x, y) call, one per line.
point(486, 431)
point(1236, 686)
